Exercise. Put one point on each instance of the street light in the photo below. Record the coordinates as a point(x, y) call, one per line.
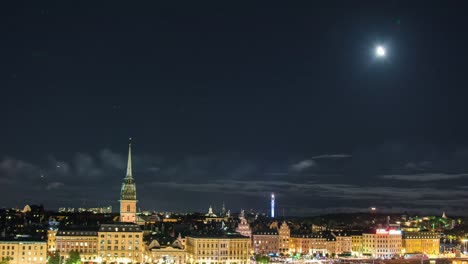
point(464, 246)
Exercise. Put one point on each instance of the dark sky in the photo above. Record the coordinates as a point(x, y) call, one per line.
point(231, 101)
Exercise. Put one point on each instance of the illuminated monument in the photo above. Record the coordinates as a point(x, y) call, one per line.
point(128, 193)
point(272, 205)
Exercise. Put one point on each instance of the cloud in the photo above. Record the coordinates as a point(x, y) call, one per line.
point(304, 164)
point(54, 186)
point(112, 159)
point(425, 177)
point(193, 181)
point(332, 156)
point(17, 169)
point(418, 166)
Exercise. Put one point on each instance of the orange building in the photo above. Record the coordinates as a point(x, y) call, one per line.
point(79, 239)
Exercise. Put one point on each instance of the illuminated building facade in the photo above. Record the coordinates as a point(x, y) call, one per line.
point(128, 199)
point(284, 233)
point(243, 227)
point(308, 244)
point(80, 239)
point(120, 242)
point(169, 255)
point(343, 243)
point(356, 245)
point(266, 242)
point(382, 244)
point(226, 249)
point(24, 252)
point(421, 242)
point(51, 240)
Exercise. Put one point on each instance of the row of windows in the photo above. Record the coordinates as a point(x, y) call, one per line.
point(117, 236)
point(221, 258)
point(62, 243)
point(121, 248)
point(117, 242)
point(24, 247)
point(117, 254)
point(222, 252)
point(80, 250)
point(122, 229)
point(387, 250)
point(22, 253)
point(23, 259)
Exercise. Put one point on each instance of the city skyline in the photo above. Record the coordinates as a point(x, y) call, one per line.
point(331, 107)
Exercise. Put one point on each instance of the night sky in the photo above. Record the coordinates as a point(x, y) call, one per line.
point(231, 101)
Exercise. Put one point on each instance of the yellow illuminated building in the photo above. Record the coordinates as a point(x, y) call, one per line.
point(224, 249)
point(421, 242)
point(284, 233)
point(382, 244)
point(356, 245)
point(120, 242)
point(310, 244)
point(51, 240)
point(24, 252)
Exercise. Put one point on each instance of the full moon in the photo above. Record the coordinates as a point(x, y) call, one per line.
point(380, 51)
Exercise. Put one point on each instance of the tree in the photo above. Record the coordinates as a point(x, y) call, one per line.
point(54, 259)
point(262, 259)
point(5, 260)
point(73, 258)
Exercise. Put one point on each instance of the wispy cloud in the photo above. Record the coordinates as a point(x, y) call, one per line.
point(424, 177)
point(54, 186)
point(418, 166)
point(303, 165)
point(332, 156)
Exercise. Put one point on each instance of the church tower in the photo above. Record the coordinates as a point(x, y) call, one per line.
point(128, 193)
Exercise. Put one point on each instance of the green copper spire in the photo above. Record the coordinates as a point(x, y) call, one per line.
point(129, 162)
point(128, 191)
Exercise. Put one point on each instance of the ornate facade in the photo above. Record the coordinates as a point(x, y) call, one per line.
point(243, 228)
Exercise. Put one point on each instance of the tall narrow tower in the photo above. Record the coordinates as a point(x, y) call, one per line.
point(128, 193)
point(272, 205)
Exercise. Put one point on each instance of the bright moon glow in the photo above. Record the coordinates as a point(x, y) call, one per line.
point(380, 51)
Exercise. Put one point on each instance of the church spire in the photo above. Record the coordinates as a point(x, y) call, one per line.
point(129, 162)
